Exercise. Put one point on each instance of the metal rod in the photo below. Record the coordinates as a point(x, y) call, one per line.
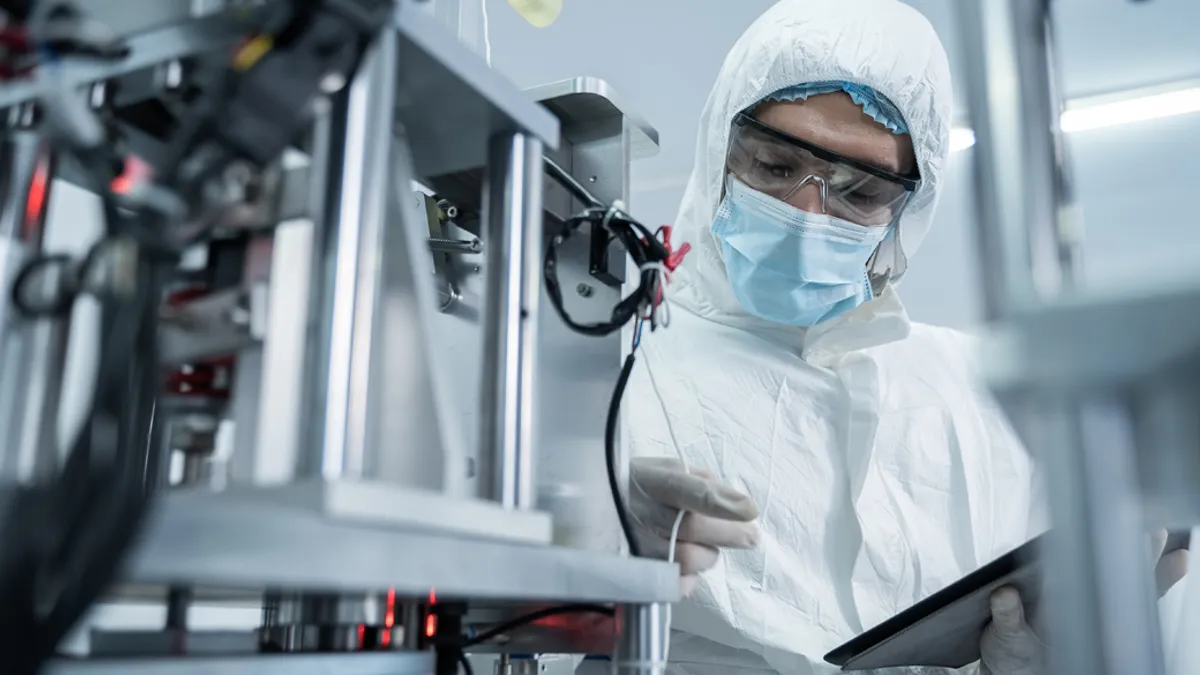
point(512, 218)
point(1098, 587)
point(351, 206)
point(641, 640)
point(32, 370)
point(1028, 230)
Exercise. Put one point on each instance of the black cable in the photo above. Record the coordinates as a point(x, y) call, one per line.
point(65, 541)
point(57, 305)
point(643, 248)
point(648, 252)
point(108, 511)
point(465, 663)
point(526, 619)
point(610, 455)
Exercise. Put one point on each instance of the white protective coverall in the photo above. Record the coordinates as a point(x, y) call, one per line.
point(882, 470)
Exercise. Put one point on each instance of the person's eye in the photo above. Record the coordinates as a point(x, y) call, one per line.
point(866, 196)
point(774, 169)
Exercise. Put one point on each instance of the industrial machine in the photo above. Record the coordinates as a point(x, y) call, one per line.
point(320, 373)
point(320, 377)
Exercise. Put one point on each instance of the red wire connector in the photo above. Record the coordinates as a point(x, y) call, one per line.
point(674, 258)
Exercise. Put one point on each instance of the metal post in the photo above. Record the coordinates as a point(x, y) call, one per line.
point(1099, 590)
point(32, 351)
point(513, 211)
point(352, 192)
point(641, 640)
point(1100, 610)
point(1028, 228)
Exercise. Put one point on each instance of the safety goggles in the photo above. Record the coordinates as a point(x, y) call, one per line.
point(779, 165)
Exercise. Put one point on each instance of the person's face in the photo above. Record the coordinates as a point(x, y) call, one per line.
point(835, 122)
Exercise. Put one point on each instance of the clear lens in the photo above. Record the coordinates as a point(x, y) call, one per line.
point(781, 169)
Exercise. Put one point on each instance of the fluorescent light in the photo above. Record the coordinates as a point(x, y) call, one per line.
point(1132, 110)
point(961, 139)
point(1087, 115)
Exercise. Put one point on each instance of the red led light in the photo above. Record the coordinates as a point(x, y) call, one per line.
point(430, 625)
point(362, 636)
point(389, 618)
point(386, 638)
point(36, 203)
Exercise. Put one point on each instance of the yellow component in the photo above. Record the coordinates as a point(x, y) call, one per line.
point(252, 52)
point(540, 13)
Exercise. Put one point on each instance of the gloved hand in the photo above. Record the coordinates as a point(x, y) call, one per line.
point(718, 516)
point(1011, 646)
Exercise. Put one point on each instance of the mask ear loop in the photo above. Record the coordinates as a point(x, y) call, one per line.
point(879, 280)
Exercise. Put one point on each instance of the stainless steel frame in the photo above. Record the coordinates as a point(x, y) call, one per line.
point(512, 217)
point(32, 351)
point(347, 489)
point(1096, 385)
point(354, 157)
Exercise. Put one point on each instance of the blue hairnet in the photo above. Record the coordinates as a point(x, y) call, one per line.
point(872, 102)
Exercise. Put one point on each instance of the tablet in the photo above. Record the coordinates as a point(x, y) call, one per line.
point(944, 629)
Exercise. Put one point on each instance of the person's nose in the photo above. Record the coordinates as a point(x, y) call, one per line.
point(808, 198)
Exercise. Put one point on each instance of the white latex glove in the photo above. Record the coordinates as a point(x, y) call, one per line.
point(1011, 646)
point(718, 516)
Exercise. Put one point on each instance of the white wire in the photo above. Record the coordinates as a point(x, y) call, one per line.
point(487, 34)
point(674, 541)
point(664, 306)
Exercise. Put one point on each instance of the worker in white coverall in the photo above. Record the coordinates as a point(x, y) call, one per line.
point(842, 456)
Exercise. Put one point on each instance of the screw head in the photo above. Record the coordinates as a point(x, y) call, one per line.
point(584, 290)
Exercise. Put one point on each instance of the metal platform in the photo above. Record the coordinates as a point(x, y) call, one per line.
point(450, 102)
point(219, 540)
point(1090, 341)
point(583, 101)
point(378, 503)
point(419, 663)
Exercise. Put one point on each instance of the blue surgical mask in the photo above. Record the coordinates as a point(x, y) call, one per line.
point(790, 266)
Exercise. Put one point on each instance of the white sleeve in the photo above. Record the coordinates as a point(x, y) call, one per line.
point(1039, 510)
point(1179, 617)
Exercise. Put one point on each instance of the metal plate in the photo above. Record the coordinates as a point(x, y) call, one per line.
point(1090, 341)
point(396, 506)
point(450, 102)
point(218, 540)
point(579, 101)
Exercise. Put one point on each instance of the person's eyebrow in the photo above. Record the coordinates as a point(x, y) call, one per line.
point(889, 163)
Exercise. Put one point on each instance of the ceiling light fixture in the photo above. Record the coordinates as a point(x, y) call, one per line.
point(1110, 111)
